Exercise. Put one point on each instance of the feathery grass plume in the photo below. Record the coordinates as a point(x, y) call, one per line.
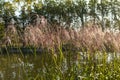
point(91, 38)
point(11, 35)
point(65, 37)
point(117, 38)
point(26, 36)
point(49, 41)
point(57, 36)
point(110, 42)
point(38, 36)
point(7, 41)
point(33, 36)
point(29, 36)
point(72, 34)
point(11, 28)
point(57, 41)
point(73, 41)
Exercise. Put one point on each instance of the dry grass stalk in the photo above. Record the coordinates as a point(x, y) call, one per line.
point(11, 35)
point(90, 38)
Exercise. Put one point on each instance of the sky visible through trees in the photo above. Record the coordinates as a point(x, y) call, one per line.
point(104, 12)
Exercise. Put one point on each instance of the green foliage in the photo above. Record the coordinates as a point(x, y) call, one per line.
point(7, 12)
point(1, 30)
point(67, 11)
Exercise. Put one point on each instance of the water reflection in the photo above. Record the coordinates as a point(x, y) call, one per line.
point(18, 67)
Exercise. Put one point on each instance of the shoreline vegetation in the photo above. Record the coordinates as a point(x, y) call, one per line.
point(51, 24)
point(60, 53)
point(90, 38)
point(60, 40)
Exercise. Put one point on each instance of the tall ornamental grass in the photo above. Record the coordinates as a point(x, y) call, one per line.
point(90, 38)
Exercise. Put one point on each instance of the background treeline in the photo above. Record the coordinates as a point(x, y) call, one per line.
point(70, 13)
point(105, 12)
point(76, 12)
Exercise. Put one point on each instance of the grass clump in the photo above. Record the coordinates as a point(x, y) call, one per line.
point(90, 38)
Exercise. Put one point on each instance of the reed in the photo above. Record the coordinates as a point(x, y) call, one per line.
point(90, 38)
point(67, 64)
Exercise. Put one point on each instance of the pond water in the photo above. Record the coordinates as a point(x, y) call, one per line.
point(17, 67)
point(24, 67)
